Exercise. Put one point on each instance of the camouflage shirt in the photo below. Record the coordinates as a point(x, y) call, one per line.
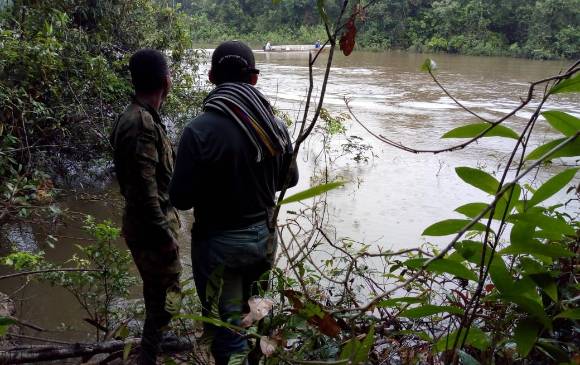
point(144, 158)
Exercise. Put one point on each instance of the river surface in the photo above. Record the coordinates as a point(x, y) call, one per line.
point(391, 198)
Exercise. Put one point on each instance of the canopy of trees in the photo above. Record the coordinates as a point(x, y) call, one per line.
point(538, 29)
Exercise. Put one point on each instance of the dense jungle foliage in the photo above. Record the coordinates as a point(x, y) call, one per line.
point(64, 78)
point(542, 29)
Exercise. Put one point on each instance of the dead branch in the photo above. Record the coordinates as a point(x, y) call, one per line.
point(32, 354)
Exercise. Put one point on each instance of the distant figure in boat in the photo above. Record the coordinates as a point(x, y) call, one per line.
point(268, 46)
point(317, 44)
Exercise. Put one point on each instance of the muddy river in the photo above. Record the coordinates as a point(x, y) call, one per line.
point(391, 196)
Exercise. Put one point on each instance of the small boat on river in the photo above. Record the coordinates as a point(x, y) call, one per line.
point(293, 48)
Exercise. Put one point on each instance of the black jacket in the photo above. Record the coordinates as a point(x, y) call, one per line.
point(216, 173)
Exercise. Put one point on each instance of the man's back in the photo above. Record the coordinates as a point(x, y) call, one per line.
point(143, 158)
point(230, 188)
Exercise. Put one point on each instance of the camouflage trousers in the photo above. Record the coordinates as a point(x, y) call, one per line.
point(160, 274)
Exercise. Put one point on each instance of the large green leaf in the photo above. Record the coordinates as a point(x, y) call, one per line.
point(395, 301)
point(428, 65)
point(444, 266)
point(573, 313)
point(547, 283)
point(522, 232)
point(530, 306)
point(570, 150)
point(501, 277)
point(563, 122)
point(552, 186)
point(472, 251)
point(451, 226)
point(534, 247)
point(526, 334)
point(451, 267)
point(546, 223)
point(429, 310)
point(567, 86)
point(476, 338)
point(367, 344)
point(474, 130)
point(312, 192)
point(480, 179)
point(472, 210)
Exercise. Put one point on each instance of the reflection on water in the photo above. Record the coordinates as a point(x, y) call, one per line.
point(395, 195)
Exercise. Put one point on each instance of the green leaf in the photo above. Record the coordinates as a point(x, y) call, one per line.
point(480, 179)
point(548, 224)
point(395, 301)
point(534, 247)
point(350, 349)
point(501, 277)
point(421, 334)
point(239, 358)
point(569, 85)
point(472, 210)
point(362, 355)
point(476, 338)
point(530, 306)
point(563, 122)
point(570, 150)
point(451, 226)
point(525, 335)
point(429, 310)
point(472, 251)
point(573, 313)
point(208, 320)
point(312, 192)
point(122, 332)
point(5, 323)
point(552, 186)
point(547, 284)
point(443, 266)
point(451, 267)
point(127, 351)
point(428, 65)
point(474, 130)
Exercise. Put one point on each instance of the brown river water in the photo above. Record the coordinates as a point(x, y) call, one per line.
point(390, 199)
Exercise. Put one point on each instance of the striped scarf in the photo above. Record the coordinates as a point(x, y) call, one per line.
point(253, 113)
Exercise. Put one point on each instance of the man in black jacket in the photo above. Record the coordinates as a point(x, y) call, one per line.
point(231, 160)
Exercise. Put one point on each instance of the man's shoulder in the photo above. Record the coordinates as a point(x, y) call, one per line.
point(208, 121)
point(136, 117)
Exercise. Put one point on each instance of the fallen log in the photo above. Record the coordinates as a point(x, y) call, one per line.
point(30, 354)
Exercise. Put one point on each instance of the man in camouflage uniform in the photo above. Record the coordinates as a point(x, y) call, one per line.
point(144, 158)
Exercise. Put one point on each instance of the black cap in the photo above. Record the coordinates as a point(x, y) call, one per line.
point(233, 61)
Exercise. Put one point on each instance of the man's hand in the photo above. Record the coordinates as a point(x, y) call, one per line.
point(170, 246)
